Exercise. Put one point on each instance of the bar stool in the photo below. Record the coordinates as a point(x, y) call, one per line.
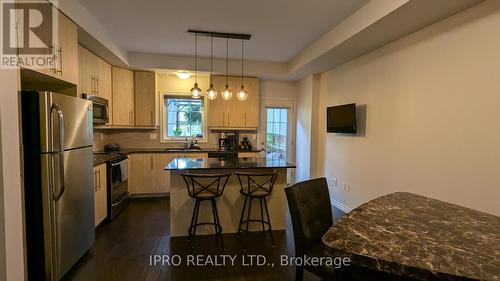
point(205, 187)
point(256, 186)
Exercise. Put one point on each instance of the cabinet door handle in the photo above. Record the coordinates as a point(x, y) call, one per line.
point(60, 71)
point(52, 52)
point(92, 78)
point(97, 84)
point(95, 181)
point(151, 114)
point(99, 178)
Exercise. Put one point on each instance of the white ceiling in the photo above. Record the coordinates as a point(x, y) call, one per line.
point(280, 29)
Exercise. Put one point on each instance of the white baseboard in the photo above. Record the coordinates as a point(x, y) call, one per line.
point(340, 206)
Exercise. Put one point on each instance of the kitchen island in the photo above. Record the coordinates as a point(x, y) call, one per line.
point(230, 203)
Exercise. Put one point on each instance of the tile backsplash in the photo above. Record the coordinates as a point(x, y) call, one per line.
point(145, 139)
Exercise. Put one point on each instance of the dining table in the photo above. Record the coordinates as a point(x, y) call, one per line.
point(415, 237)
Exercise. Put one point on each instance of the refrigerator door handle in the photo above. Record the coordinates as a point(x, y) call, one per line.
point(60, 116)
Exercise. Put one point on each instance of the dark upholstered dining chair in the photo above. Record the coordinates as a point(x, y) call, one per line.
point(311, 214)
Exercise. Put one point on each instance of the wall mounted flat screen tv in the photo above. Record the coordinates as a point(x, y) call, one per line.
point(341, 119)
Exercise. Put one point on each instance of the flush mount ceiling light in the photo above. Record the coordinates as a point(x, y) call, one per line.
point(183, 75)
point(227, 94)
point(242, 94)
point(211, 92)
point(196, 91)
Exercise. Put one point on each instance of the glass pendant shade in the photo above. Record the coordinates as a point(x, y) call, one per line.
point(242, 94)
point(227, 94)
point(211, 93)
point(196, 91)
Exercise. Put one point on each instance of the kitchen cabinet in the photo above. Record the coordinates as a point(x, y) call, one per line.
point(95, 77)
point(66, 67)
point(100, 194)
point(235, 114)
point(147, 175)
point(251, 154)
point(65, 51)
point(145, 98)
point(123, 96)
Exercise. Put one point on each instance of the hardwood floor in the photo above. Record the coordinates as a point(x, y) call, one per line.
point(123, 250)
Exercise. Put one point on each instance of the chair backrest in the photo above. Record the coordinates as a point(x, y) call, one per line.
point(257, 182)
point(311, 212)
point(205, 183)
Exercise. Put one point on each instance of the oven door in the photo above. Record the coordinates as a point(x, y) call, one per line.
point(118, 180)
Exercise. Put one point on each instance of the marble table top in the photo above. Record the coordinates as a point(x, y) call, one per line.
point(419, 237)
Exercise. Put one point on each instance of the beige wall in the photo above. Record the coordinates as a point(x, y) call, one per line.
point(274, 89)
point(306, 134)
point(11, 175)
point(432, 115)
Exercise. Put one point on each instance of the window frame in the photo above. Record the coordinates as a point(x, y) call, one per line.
point(164, 138)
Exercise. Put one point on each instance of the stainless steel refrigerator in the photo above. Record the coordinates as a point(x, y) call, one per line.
point(58, 187)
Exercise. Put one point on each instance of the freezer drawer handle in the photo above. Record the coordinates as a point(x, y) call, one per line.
point(61, 149)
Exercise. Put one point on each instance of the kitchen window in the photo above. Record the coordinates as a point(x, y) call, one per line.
point(183, 117)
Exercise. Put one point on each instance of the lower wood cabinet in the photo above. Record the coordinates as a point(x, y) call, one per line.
point(100, 194)
point(251, 154)
point(147, 175)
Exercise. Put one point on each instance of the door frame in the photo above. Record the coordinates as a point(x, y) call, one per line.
point(290, 104)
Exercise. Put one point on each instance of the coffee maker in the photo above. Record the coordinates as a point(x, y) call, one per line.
point(227, 141)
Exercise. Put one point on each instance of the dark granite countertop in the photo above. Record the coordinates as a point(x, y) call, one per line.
point(129, 150)
point(233, 163)
point(412, 235)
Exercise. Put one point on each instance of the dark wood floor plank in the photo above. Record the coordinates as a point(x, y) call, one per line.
point(122, 250)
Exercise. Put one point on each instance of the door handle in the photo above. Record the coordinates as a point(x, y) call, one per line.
point(151, 114)
point(92, 78)
point(60, 116)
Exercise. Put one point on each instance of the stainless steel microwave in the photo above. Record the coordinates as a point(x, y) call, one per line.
point(100, 109)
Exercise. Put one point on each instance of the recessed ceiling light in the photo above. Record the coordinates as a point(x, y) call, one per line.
point(183, 75)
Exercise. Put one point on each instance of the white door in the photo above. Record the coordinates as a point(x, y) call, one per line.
point(278, 135)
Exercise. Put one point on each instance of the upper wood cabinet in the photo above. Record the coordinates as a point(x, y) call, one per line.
point(67, 49)
point(145, 98)
point(95, 77)
point(235, 114)
point(123, 96)
point(64, 51)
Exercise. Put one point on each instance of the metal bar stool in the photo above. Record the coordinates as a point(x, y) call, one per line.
point(256, 186)
point(205, 187)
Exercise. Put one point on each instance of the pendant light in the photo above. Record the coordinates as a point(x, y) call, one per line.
point(211, 92)
point(196, 91)
point(242, 94)
point(227, 94)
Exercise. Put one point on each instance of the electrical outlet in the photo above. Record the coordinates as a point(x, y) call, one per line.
point(334, 182)
point(153, 136)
